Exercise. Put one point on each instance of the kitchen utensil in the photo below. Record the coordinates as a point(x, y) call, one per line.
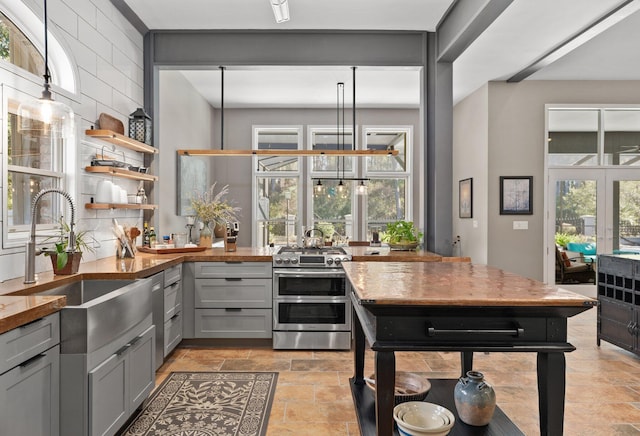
point(313, 241)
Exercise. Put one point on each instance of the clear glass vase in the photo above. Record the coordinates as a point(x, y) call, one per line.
point(206, 236)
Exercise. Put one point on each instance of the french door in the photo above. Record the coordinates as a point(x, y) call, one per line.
point(593, 205)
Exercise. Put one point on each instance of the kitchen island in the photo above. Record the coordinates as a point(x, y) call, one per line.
point(437, 306)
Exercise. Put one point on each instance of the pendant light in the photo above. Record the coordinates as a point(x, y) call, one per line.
point(45, 117)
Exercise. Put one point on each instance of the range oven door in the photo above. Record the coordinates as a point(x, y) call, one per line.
point(320, 314)
point(309, 283)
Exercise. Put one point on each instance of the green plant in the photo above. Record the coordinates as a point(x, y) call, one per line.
point(62, 243)
point(400, 232)
point(562, 239)
point(327, 229)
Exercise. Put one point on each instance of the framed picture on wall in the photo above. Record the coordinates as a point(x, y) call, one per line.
point(465, 198)
point(516, 195)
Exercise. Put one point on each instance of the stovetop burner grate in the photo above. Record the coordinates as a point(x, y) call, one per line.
point(312, 251)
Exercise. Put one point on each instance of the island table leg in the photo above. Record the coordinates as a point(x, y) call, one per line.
point(551, 389)
point(358, 336)
point(385, 367)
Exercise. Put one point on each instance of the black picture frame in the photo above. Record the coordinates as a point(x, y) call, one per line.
point(516, 195)
point(465, 198)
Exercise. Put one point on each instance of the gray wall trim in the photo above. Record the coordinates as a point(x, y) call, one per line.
point(255, 47)
point(131, 16)
point(439, 153)
point(464, 22)
point(575, 40)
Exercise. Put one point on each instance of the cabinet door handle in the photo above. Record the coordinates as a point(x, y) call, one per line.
point(123, 349)
point(630, 327)
point(233, 279)
point(32, 360)
point(174, 316)
point(135, 341)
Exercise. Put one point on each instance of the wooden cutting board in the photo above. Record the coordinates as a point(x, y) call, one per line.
point(107, 122)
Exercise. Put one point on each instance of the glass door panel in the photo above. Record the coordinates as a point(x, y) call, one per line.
point(624, 192)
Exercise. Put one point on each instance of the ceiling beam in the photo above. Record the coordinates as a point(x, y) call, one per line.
point(131, 16)
point(594, 29)
point(463, 23)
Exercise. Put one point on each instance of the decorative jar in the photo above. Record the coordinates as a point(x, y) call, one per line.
point(475, 399)
point(206, 236)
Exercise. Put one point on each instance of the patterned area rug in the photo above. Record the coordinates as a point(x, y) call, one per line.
point(208, 404)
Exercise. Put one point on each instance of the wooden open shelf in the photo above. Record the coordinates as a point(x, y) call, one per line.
point(104, 206)
point(121, 140)
point(121, 172)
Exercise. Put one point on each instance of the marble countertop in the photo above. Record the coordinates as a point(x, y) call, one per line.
point(452, 284)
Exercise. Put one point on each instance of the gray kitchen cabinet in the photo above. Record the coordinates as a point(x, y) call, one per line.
point(120, 384)
point(167, 311)
point(29, 388)
point(232, 300)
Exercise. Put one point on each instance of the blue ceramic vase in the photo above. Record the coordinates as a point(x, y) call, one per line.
point(475, 399)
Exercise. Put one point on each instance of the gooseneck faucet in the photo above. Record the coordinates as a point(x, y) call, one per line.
point(30, 251)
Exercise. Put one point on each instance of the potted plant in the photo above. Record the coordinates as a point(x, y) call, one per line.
point(212, 208)
point(66, 262)
point(402, 235)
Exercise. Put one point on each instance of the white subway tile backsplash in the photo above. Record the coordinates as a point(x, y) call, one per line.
point(95, 88)
point(83, 8)
point(131, 70)
point(93, 39)
point(111, 75)
point(63, 16)
point(85, 57)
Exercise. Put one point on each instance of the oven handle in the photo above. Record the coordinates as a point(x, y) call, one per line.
point(320, 273)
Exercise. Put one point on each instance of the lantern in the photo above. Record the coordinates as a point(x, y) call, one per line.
point(140, 126)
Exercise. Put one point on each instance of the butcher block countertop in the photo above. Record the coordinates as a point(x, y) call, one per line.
point(452, 284)
point(18, 306)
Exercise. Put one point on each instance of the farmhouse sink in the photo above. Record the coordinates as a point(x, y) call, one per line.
point(98, 311)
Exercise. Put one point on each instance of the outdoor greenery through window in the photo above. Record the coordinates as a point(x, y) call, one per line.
point(16, 48)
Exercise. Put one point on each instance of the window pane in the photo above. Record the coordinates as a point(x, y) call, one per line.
point(622, 137)
point(573, 137)
point(333, 205)
point(22, 189)
point(27, 151)
point(386, 201)
point(327, 139)
point(280, 139)
point(385, 140)
point(276, 210)
point(17, 49)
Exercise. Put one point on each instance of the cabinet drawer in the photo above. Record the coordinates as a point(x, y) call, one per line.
point(172, 275)
point(172, 300)
point(234, 293)
point(172, 333)
point(233, 270)
point(24, 342)
point(233, 323)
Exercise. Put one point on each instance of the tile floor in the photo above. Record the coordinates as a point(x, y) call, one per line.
point(313, 397)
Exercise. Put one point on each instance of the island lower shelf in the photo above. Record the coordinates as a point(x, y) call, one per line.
point(441, 393)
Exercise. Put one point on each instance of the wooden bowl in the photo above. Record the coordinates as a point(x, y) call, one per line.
point(409, 386)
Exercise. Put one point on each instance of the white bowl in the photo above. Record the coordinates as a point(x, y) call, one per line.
point(419, 418)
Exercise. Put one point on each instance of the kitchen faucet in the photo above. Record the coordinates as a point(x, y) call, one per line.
point(30, 251)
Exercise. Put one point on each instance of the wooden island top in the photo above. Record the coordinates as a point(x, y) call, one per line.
point(452, 284)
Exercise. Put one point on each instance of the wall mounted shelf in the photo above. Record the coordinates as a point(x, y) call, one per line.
point(121, 140)
point(104, 206)
point(120, 172)
point(206, 152)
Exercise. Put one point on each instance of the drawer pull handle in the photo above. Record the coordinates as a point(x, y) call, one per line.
point(123, 349)
point(233, 279)
point(135, 341)
point(32, 360)
point(517, 332)
point(233, 261)
point(174, 316)
point(232, 309)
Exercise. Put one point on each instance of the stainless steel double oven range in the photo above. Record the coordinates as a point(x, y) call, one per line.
point(311, 308)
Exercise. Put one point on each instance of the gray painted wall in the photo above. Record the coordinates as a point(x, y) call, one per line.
point(470, 160)
point(515, 146)
point(198, 127)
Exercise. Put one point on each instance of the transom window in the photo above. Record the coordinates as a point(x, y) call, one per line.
point(16, 48)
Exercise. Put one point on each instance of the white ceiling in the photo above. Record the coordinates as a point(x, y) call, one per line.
point(522, 34)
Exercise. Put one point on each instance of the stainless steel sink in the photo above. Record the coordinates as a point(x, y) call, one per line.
point(98, 311)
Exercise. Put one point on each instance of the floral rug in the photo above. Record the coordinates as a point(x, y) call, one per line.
point(207, 404)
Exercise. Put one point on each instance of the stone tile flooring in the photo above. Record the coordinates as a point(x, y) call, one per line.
point(313, 397)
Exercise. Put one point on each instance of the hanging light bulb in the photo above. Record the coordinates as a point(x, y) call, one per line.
point(45, 117)
point(319, 186)
point(340, 187)
point(362, 188)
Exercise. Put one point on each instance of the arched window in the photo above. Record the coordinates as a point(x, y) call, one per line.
point(16, 48)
